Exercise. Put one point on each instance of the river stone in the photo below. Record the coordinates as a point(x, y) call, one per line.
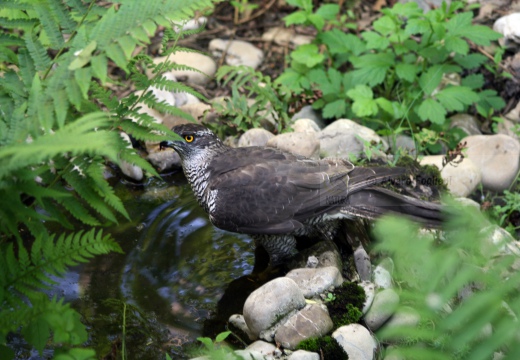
point(382, 277)
point(461, 178)
point(203, 63)
point(239, 322)
point(370, 293)
point(263, 347)
point(509, 128)
point(299, 143)
point(401, 142)
point(497, 158)
point(237, 52)
point(310, 322)
point(404, 316)
point(326, 252)
point(130, 170)
point(465, 122)
point(340, 139)
point(270, 303)
point(363, 265)
point(279, 35)
point(357, 342)
point(305, 126)
point(165, 159)
point(315, 281)
point(303, 355)
point(255, 137)
point(307, 112)
point(251, 355)
point(383, 307)
point(509, 26)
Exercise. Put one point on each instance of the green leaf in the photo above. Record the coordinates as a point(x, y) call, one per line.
point(456, 44)
point(371, 69)
point(473, 81)
point(407, 71)
point(375, 41)
point(328, 11)
point(83, 77)
point(470, 61)
point(308, 55)
point(222, 336)
point(430, 79)
point(298, 17)
point(431, 110)
point(335, 109)
point(385, 25)
point(99, 65)
point(37, 333)
point(417, 26)
point(83, 57)
point(316, 20)
point(395, 109)
point(455, 98)
point(364, 103)
point(340, 43)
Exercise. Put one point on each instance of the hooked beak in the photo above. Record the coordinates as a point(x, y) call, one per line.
point(166, 144)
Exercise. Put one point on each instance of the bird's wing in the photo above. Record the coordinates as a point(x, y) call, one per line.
point(264, 191)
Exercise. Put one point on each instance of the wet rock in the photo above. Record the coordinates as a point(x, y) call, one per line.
point(315, 281)
point(310, 322)
point(468, 123)
point(299, 143)
point(164, 159)
point(285, 36)
point(203, 63)
point(468, 202)
point(238, 321)
point(269, 304)
point(461, 178)
point(383, 307)
point(357, 342)
point(250, 355)
point(382, 277)
point(401, 142)
point(304, 355)
point(237, 52)
point(264, 348)
point(363, 265)
point(255, 137)
point(326, 252)
point(370, 293)
point(509, 26)
point(305, 126)
point(344, 137)
point(406, 316)
point(132, 171)
point(497, 158)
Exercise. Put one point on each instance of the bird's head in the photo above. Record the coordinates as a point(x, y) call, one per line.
point(197, 141)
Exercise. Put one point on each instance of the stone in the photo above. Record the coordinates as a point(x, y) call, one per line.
point(468, 202)
point(192, 24)
point(307, 112)
point(370, 293)
point(326, 252)
point(305, 126)
point(497, 158)
point(382, 277)
point(255, 137)
point(509, 128)
point(263, 347)
point(250, 355)
point(401, 142)
point(404, 316)
point(357, 342)
point(285, 36)
point(238, 321)
point(461, 178)
point(315, 281)
point(465, 122)
point(310, 322)
point(363, 264)
point(197, 111)
point(298, 143)
point(271, 303)
point(344, 138)
point(237, 52)
point(304, 355)
point(383, 307)
point(498, 241)
point(509, 26)
point(132, 171)
point(165, 159)
point(206, 65)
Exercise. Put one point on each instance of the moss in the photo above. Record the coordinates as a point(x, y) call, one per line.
point(345, 308)
point(326, 345)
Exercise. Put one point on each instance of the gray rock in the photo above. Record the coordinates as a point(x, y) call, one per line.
point(315, 281)
point(310, 322)
point(468, 202)
point(191, 24)
point(497, 158)
point(404, 316)
point(285, 36)
point(509, 26)
point(312, 262)
point(326, 252)
point(237, 52)
point(299, 143)
point(370, 293)
point(264, 348)
point(461, 178)
point(132, 171)
point(251, 355)
point(307, 112)
point(305, 126)
point(509, 128)
point(269, 304)
point(383, 307)
point(382, 277)
point(239, 322)
point(303, 355)
point(344, 137)
point(357, 342)
point(255, 137)
point(401, 142)
point(363, 265)
point(498, 241)
point(466, 122)
point(203, 63)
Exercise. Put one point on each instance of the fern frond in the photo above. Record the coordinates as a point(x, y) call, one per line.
point(131, 157)
point(49, 23)
point(174, 86)
point(41, 59)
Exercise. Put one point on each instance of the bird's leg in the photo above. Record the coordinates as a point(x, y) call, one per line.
point(279, 247)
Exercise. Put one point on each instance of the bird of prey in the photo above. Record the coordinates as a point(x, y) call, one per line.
point(275, 196)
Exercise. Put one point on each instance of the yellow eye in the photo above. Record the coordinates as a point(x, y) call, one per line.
point(188, 138)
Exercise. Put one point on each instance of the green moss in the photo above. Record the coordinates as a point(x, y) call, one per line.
point(345, 308)
point(327, 345)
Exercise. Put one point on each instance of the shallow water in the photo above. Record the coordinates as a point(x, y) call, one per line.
point(174, 270)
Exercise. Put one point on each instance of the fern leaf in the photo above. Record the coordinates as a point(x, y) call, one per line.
point(49, 23)
point(130, 156)
point(38, 53)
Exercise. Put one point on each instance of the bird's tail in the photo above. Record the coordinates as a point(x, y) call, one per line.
point(373, 202)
